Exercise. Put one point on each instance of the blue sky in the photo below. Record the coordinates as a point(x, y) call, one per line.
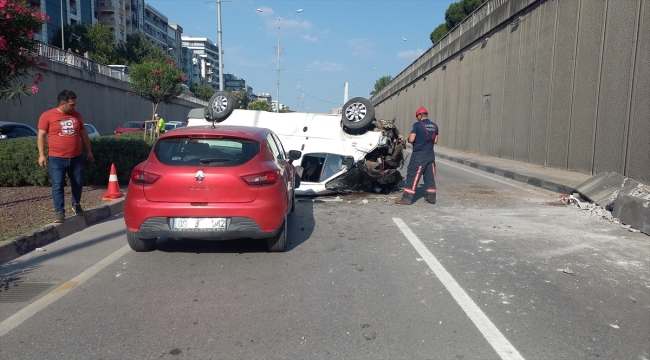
point(328, 44)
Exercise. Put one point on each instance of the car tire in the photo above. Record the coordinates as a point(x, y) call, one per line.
point(278, 242)
point(139, 244)
point(220, 106)
point(358, 114)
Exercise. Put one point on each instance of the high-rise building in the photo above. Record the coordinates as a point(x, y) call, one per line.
point(208, 52)
point(155, 27)
point(137, 15)
point(191, 65)
point(174, 43)
point(231, 81)
point(74, 12)
point(117, 15)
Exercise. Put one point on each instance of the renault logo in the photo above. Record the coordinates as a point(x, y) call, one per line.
point(199, 176)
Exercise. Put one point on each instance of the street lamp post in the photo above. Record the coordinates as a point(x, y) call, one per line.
point(277, 107)
point(418, 44)
point(62, 37)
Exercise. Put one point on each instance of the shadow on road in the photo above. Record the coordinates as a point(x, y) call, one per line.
point(299, 229)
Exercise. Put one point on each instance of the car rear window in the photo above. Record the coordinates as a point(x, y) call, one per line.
point(132, 125)
point(183, 151)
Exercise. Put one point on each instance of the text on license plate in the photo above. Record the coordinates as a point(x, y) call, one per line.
point(199, 223)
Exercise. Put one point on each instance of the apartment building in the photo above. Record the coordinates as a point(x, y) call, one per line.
point(74, 12)
point(209, 55)
point(191, 65)
point(117, 14)
point(175, 44)
point(137, 15)
point(155, 27)
point(231, 81)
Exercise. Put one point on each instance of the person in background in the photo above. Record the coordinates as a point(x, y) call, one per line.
point(63, 128)
point(161, 124)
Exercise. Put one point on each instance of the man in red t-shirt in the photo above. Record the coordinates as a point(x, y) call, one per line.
point(65, 132)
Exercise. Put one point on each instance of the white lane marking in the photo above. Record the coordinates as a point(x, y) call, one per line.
point(33, 308)
point(490, 176)
point(499, 342)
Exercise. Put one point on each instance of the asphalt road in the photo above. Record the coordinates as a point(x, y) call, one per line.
point(495, 270)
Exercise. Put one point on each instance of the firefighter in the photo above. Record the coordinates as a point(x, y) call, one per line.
point(424, 135)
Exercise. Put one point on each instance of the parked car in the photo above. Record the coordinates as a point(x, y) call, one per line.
point(131, 126)
point(171, 125)
point(177, 123)
point(200, 182)
point(90, 129)
point(13, 130)
point(340, 153)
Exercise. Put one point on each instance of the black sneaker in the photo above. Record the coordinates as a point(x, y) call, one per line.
point(76, 208)
point(60, 216)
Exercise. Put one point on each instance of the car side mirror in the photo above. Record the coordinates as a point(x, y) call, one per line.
point(349, 162)
point(294, 155)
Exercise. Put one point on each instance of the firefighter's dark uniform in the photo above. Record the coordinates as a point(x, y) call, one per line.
point(422, 163)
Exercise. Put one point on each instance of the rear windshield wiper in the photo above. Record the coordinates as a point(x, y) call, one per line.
point(211, 160)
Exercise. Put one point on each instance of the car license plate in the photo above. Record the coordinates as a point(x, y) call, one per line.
point(199, 224)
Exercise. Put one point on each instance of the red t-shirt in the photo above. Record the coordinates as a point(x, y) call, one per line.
point(63, 132)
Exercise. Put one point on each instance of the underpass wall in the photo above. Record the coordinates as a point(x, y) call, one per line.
point(564, 84)
point(103, 101)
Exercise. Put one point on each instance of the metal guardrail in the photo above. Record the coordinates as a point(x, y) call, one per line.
point(472, 19)
point(79, 61)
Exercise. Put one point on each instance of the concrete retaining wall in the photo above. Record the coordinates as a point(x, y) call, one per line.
point(103, 101)
point(564, 84)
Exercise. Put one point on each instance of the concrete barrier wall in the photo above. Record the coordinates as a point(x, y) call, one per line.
point(564, 84)
point(103, 101)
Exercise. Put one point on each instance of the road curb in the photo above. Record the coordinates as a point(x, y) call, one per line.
point(23, 244)
point(527, 179)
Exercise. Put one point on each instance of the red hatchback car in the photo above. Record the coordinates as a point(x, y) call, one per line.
point(130, 126)
point(199, 182)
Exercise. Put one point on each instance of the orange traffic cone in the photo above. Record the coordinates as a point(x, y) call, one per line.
point(113, 188)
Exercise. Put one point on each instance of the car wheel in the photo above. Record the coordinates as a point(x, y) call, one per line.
point(139, 244)
point(358, 114)
point(278, 242)
point(221, 105)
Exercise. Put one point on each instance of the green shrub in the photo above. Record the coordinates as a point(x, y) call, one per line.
point(19, 163)
point(19, 160)
point(125, 151)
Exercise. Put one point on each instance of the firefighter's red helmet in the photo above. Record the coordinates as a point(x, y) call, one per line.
point(421, 111)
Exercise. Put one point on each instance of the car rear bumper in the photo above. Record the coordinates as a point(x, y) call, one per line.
point(257, 219)
point(238, 228)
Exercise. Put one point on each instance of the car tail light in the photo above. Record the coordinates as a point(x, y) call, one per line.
point(265, 178)
point(139, 177)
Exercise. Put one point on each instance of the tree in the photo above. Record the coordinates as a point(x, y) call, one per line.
point(454, 15)
point(158, 82)
point(241, 98)
point(261, 105)
point(137, 49)
point(381, 83)
point(438, 33)
point(101, 49)
point(18, 24)
point(202, 90)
